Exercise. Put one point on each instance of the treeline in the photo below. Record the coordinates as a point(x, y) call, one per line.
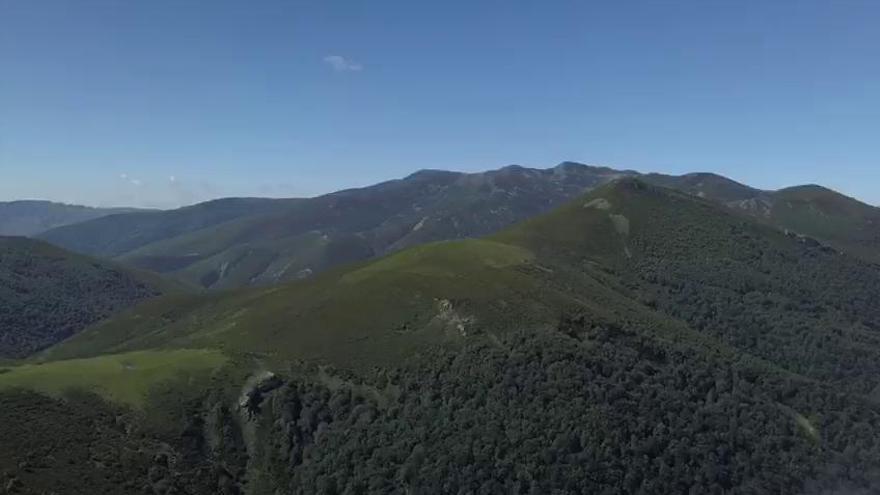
point(78, 445)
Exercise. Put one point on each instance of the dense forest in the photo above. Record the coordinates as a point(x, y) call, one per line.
point(48, 294)
point(785, 298)
point(588, 407)
point(592, 408)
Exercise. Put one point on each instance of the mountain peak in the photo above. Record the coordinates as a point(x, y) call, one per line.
point(570, 167)
point(629, 184)
point(514, 169)
point(430, 173)
point(808, 189)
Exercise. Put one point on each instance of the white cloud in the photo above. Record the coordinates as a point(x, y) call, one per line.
point(342, 64)
point(131, 180)
point(172, 179)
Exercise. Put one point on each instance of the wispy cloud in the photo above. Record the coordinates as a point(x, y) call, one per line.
point(131, 180)
point(342, 64)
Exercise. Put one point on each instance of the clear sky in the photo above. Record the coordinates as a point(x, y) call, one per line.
point(165, 102)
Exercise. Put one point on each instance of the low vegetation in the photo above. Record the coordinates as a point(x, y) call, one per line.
point(126, 379)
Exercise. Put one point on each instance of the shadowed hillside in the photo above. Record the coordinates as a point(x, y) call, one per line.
point(33, 217)
point(49, 294)
point(116, 234)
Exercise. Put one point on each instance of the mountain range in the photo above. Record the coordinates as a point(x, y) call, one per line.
point(634, 339)
point(244, 242)
point(31, 217)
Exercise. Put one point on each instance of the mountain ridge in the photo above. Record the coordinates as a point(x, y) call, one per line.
point(30, 217)
point(297, 238)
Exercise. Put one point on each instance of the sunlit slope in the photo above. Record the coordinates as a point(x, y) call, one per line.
point(122, 378)
point(841, 221)
point(377, 310)
point(628, 250)
point(370, 314)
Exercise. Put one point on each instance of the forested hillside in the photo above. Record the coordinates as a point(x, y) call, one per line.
point(635, 340)
point(48, 294)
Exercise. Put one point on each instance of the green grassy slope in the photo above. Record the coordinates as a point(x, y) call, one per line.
point(126, 379)
point(369, 314)
point(841, 221)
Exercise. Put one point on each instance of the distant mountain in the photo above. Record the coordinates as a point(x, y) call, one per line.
point(301, 237)
point(706, 185)
point(235, 243)
point(49, 294)
point(29, 217)
point(117, 234)
point(839, 220)
point(636, 339)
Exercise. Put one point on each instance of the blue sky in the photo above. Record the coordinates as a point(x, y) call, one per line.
point(166, 102)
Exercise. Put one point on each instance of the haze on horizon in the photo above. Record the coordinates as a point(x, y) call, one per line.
point(164, 103)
